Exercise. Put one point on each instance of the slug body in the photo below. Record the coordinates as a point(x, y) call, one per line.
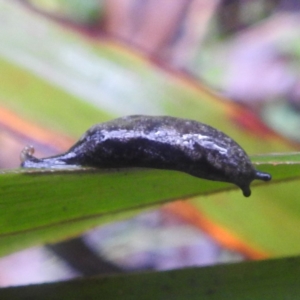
point(157, 142)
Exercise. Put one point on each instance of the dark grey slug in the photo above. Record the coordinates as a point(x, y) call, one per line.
point(161, 143)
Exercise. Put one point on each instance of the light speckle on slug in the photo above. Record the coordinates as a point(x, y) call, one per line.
point(157, 142)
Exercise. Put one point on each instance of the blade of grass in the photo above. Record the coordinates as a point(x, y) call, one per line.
point(268, 280)
point(79, 199)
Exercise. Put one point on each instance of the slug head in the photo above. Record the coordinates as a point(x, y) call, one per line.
point(257, 175)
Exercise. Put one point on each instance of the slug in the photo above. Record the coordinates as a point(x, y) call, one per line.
point(158, 142)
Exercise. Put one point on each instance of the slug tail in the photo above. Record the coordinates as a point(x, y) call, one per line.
point(26, 153)
point(27, 158)
point(54, 162)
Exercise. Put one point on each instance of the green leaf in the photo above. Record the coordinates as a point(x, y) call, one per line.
point(46, 200)
point(267, 280)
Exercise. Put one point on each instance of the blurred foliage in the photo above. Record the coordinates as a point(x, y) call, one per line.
point(86, 12)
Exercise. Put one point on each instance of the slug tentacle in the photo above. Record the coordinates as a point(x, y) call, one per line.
point(262, 176)
point(157, 142)
point(246, 190)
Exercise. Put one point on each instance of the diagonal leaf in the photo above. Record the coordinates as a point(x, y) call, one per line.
point(83, 82)
point(47, 199)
